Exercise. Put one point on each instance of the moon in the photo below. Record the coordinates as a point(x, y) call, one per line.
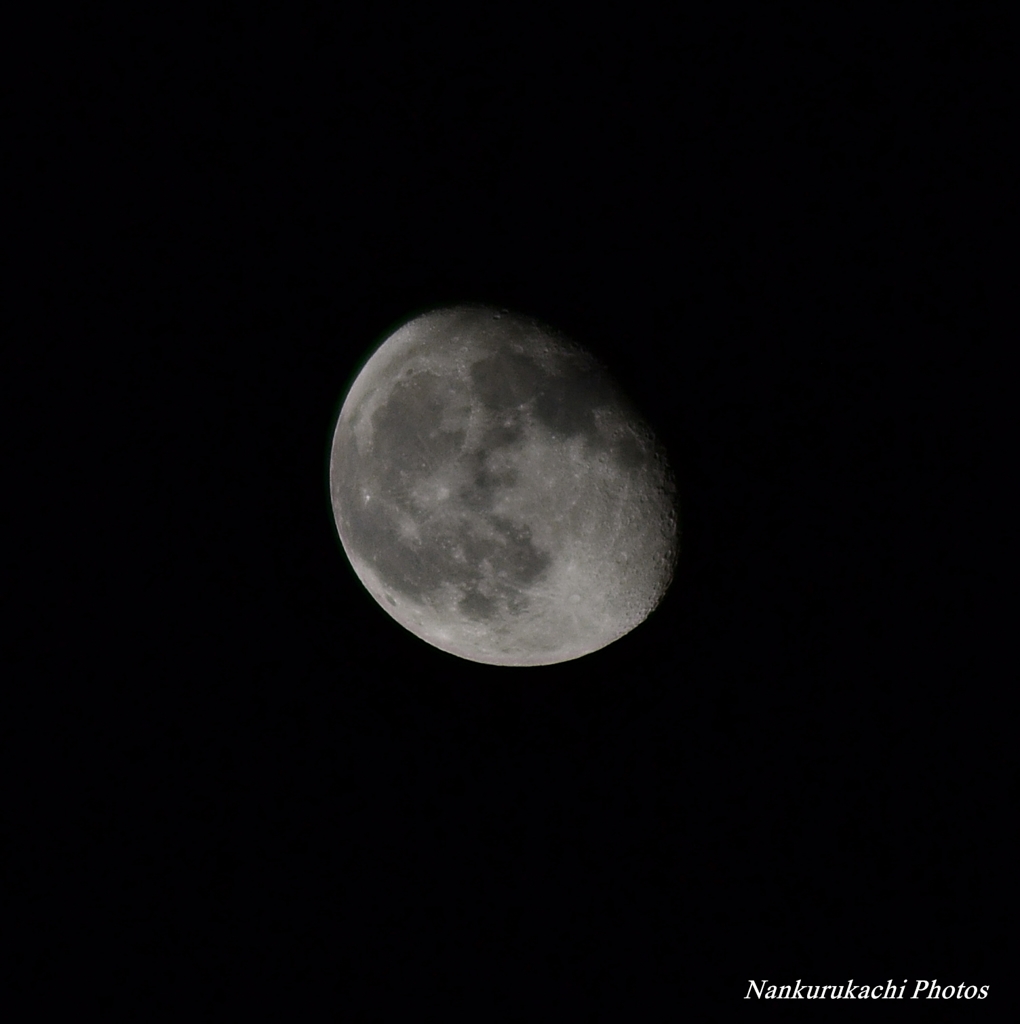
point(497, 494)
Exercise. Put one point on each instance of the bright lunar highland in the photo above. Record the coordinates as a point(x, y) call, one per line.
point(497, 494)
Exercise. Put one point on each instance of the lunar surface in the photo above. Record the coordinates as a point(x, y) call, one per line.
point(497, 494)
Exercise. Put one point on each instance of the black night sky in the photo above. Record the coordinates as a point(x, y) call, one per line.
point(793, 769)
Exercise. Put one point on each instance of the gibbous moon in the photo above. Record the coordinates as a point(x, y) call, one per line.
point(497, 494)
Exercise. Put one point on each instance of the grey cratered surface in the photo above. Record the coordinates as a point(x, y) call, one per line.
point(497, 495)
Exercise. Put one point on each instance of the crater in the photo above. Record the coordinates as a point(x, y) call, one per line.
point(507, 380)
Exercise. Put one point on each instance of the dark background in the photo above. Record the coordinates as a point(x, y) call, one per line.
point(771, 230)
